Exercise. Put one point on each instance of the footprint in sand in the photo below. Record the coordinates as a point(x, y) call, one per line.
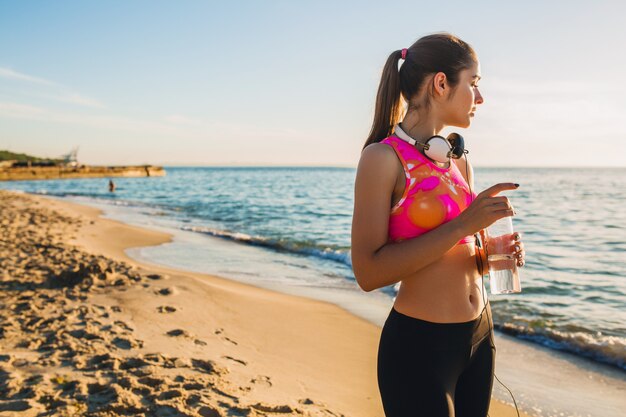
point(123, 325)
point(133, 363)
point(155, 277)
point(241, 361)
point(194, 386)
point(179, 333)
point(207, 366)
point(152, 382)
point(220, 330)
point(167, 291)
point(282, 409)
point(100, 309)
point(308, 401)
point(262, 380)
point(101, 393)
point(230, 340)
point(168, 395)
point(166, 309)
point(125, 343)
point(185, 334)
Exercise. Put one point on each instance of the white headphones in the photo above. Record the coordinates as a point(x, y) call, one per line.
point(437, 148)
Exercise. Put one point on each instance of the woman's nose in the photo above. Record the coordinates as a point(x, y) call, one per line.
point(478, 98)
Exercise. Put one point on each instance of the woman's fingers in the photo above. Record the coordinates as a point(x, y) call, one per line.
point(520, 258)
point(518, 249)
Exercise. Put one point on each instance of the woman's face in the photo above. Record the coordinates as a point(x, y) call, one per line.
point(464, 101)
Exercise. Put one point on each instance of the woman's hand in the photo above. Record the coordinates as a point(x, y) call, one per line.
point(485, 209)
point(516, 248)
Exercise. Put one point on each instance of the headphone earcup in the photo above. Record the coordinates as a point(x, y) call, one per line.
point(458, 144)
point(437, 148)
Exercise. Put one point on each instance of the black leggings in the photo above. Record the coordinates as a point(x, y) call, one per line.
point(428, 369)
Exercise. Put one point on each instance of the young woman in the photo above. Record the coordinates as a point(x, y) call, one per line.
point(416, 222)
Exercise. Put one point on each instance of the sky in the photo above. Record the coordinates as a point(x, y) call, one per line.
point(294, 82)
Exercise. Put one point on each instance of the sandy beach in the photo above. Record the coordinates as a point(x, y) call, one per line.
point(85, 330)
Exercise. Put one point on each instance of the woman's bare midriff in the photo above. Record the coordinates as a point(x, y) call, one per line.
point(449, 290)
point(445, 291)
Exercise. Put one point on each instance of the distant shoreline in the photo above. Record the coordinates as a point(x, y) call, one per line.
point(24, 173)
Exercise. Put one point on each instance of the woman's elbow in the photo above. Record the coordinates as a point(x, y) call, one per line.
point(362, 278)
point(364, 285)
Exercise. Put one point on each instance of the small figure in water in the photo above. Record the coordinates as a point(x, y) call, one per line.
point(111, 186)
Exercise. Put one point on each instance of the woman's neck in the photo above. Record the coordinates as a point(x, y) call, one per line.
point(421, 133)
point(421, 130)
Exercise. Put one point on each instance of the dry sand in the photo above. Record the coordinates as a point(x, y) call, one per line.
point(84, 330)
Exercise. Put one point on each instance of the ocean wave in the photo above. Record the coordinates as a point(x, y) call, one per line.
point(596, 346)
point(340, 255)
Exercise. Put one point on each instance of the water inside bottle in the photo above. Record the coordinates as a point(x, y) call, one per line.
point(503, 275)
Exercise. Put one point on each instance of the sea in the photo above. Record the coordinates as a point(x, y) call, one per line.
point(288, 228)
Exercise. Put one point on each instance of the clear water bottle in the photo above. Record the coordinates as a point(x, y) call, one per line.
point(503, 272)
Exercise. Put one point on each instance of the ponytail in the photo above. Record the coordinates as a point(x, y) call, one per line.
point(387, 112)
point(430, 54)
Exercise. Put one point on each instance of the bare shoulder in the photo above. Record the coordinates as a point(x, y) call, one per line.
point(378, 148)
point(378, 158)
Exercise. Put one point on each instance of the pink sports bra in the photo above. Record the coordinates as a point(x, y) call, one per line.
point(432, 195)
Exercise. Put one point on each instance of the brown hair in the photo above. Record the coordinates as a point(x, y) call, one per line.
point(428, 55)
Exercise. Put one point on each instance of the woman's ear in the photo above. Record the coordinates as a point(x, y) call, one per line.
point(440, 82)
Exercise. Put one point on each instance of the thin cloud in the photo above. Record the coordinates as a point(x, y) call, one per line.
point(80, 100)
point(14, 75)
point(203, 130)
point(64, 96)
point(21, 111)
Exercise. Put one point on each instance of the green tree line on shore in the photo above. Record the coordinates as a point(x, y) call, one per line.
point(22, 157)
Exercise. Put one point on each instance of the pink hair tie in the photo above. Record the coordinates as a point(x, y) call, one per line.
point(404, 50)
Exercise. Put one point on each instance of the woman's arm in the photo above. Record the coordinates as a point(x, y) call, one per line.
point(375, 262)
